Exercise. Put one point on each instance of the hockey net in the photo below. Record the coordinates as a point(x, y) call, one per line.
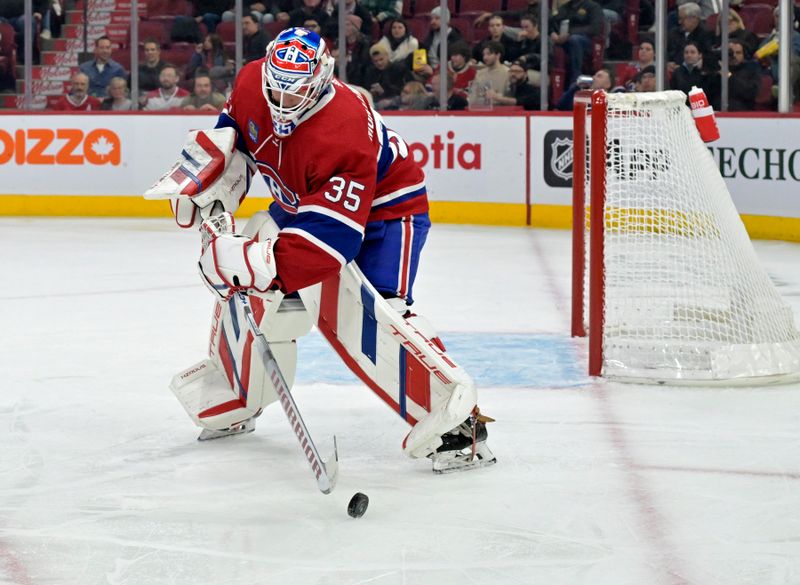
point(665, 278)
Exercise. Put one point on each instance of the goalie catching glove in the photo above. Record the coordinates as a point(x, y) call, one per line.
point(233, 263)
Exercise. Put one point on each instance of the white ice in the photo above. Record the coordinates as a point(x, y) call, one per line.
point(103, 482)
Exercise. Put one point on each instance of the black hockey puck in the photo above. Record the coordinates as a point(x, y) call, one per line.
point(358, 505)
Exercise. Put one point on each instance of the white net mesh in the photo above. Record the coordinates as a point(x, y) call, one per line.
point(685, 296)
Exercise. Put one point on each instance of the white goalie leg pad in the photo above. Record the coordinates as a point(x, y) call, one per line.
point(233, 386)
point(205, 394)
point(402, 363)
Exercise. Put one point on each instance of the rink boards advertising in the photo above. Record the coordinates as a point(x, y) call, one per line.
point(492, 169)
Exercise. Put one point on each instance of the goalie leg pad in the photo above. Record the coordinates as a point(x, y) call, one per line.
point(203, 391)
point(232, 386)
point(405, 367)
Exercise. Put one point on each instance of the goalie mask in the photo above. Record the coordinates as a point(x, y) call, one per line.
point(298, 70)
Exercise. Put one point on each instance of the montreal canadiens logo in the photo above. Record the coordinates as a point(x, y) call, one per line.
point(285, 197)
point(294, 56)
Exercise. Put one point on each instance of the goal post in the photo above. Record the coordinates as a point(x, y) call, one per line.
point(665, 279)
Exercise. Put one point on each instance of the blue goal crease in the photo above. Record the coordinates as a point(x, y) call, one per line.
point(516, 360)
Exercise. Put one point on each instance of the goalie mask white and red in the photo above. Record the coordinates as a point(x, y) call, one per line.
point(298, 67)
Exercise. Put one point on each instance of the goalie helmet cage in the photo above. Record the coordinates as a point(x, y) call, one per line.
point(675, 291)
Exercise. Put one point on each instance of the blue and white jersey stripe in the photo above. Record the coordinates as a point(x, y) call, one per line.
point(399, 196)
point(323, 227)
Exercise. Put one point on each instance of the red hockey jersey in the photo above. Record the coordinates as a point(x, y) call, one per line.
point(339, 169)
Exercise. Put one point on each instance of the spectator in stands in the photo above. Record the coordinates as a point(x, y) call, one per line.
point(308, 9)
point(459, 69)
point(118, 99)
point(261, 12)
point(769, 59)
point(738, 32)
point(281, 10)
point(78, 98)
point(497, 34)
point(645, 57)
point(414, 97)
point(255, 41)
point(603, 78)
point(150, 69)
point(645, 79)
point(351, 7)
point(52, 19)
point(519, 92)
point(185, 29)
point(494, 71)
point(455, 101)
point(694, 72)
point(52, 13)
point(614, 12)
point(707, 8)
point(313, 25)
point(168, 96)
point(102, 68)
point(203, 97)
point(382, 78)
point(383, 10)
point(210, 57)
point(530, 44)
point(13, 12)
point(400, 43)
point(690, 28)
point(431, 42)
point(209, 12)
point(494, 76)
point(744, 80)
point(532, 8)
point(357, 55)
point(573, 27)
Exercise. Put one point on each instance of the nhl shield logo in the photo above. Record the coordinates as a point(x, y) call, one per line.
point(561, 158)
point(558, 156)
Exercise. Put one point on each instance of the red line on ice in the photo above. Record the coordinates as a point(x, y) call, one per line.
point(651, 520)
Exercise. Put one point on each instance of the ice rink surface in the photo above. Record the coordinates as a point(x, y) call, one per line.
point(103, 482)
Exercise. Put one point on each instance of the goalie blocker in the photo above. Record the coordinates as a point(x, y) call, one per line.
point(398, 356)
point(210, 176)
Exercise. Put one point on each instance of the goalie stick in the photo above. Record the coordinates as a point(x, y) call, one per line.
point(326, 473)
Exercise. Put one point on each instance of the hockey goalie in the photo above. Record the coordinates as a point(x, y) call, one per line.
point(338, 249)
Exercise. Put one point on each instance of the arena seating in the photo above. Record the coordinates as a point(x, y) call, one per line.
point(425, 6)
point(476, 7)
point(158, 16)
point(757, 18)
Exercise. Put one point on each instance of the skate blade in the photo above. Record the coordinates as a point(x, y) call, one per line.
point(453, 461)
point(247, 426)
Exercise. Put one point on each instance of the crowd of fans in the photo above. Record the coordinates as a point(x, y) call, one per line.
point(495, 63)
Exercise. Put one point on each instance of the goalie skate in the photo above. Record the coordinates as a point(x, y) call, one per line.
point(464, 447)
point(246, 426)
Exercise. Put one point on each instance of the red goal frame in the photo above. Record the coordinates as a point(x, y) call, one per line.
point(591, 105)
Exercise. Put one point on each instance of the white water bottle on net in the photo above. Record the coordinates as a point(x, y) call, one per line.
point(665, 277)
